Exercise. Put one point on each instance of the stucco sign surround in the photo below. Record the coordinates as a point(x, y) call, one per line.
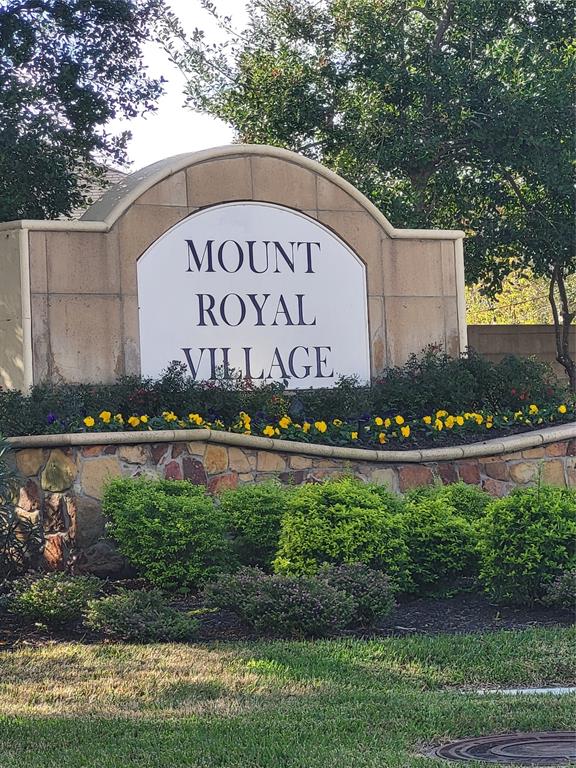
point(257, 289)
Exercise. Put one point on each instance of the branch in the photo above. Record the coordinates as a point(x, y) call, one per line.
point(525, 204)
point(443, 26)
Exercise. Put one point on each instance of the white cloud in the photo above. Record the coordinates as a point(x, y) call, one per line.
point(174, 128)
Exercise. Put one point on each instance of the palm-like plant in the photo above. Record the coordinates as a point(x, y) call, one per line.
point(20, 539)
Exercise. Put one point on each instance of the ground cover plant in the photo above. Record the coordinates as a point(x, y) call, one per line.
point(139, 616)
point(432, 400)
point(322, 704)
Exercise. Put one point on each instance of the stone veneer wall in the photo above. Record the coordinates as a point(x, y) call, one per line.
point(64, 475)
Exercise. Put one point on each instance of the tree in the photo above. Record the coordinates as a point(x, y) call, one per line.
point(443, 112)
point(67, 67)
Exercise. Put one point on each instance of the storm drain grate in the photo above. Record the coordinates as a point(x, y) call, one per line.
point(544, 749)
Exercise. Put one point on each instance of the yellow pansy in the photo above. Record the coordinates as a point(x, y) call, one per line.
point(533, 409)
point(181, 423)
point(382, 438)
point(450, 421)
point(562, 408)
point(134, 421)
point(144, 419)
point(479, 418)
point(354, 435)
point(387, 423)
point(460, 420)
point(378, 421)
point(321, 426)
point(438, 425)
point(441, 414)
point(169, 416)
point(306, 427)
point(427, 419)
point(106, 416)
point(337, 422)
point(285, 422)
point(268, 431)
point(405, 431)
point(119, 419)
point(399, 420)
point(89, 421)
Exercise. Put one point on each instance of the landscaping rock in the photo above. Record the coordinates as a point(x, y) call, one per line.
point(553, 473)
point(413, 475)
point(59, 472)
point(270, 462)
point(523, 473)
point(193, 470)
point(133, 454)
point(173, 471)
point(30, 497)
point(95, 474)
point(30, 461)
point(215, 459)
point(223, 482)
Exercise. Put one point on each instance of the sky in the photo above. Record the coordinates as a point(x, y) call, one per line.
point(174, 128)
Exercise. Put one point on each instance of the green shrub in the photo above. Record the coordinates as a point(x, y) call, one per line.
point(139, 616)
point(54, 599)
point(441, 543)
point(287, 606)
point(526, 540)
point(252, 515)
point(561, 593)
point(170, 531)
point(341, 521)
point(468, 501)
point(371, 590)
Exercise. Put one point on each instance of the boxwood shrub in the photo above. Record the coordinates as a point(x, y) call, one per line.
point(342, 521)
point(170, 531)
point(441, 543)
point(252, 515)
point(526, 541)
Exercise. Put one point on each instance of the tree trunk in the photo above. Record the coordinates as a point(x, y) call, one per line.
point(563, 318)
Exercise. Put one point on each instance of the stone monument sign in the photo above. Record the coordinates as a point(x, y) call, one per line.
point(242, 259)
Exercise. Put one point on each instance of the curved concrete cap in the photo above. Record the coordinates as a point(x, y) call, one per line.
point(494, 447)
point(116, 200)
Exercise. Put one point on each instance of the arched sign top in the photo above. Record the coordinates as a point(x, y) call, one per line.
point(255, 289)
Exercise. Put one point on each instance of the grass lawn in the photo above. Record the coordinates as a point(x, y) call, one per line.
point(329, 704)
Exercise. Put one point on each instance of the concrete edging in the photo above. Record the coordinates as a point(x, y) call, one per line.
point(495, 447)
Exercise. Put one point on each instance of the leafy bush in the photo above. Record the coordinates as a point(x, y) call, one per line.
point(441, 543)
point(53, 599)
point(288, 606)
point(252, 515)
point(468, 501)
point(20, 538)
point(169, 530)
point(138, 615)
point(561, 593)
point(526, 540)
point(342, 521)
point(371, 590)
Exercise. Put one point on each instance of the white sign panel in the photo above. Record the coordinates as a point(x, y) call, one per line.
point(256, 289)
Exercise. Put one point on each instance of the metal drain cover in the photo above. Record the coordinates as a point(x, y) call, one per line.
point(544, 749)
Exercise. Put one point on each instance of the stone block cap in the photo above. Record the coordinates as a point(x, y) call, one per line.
point(494, 447)
point(103, 214)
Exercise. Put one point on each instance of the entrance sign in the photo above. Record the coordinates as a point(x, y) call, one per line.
point(255, 289)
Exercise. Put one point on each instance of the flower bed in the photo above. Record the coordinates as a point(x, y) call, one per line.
point(369, 431)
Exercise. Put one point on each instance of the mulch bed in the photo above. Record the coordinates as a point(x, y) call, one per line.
point(462, 614)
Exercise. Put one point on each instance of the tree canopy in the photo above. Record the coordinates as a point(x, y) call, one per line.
point(67, 68)
point(445, 113)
